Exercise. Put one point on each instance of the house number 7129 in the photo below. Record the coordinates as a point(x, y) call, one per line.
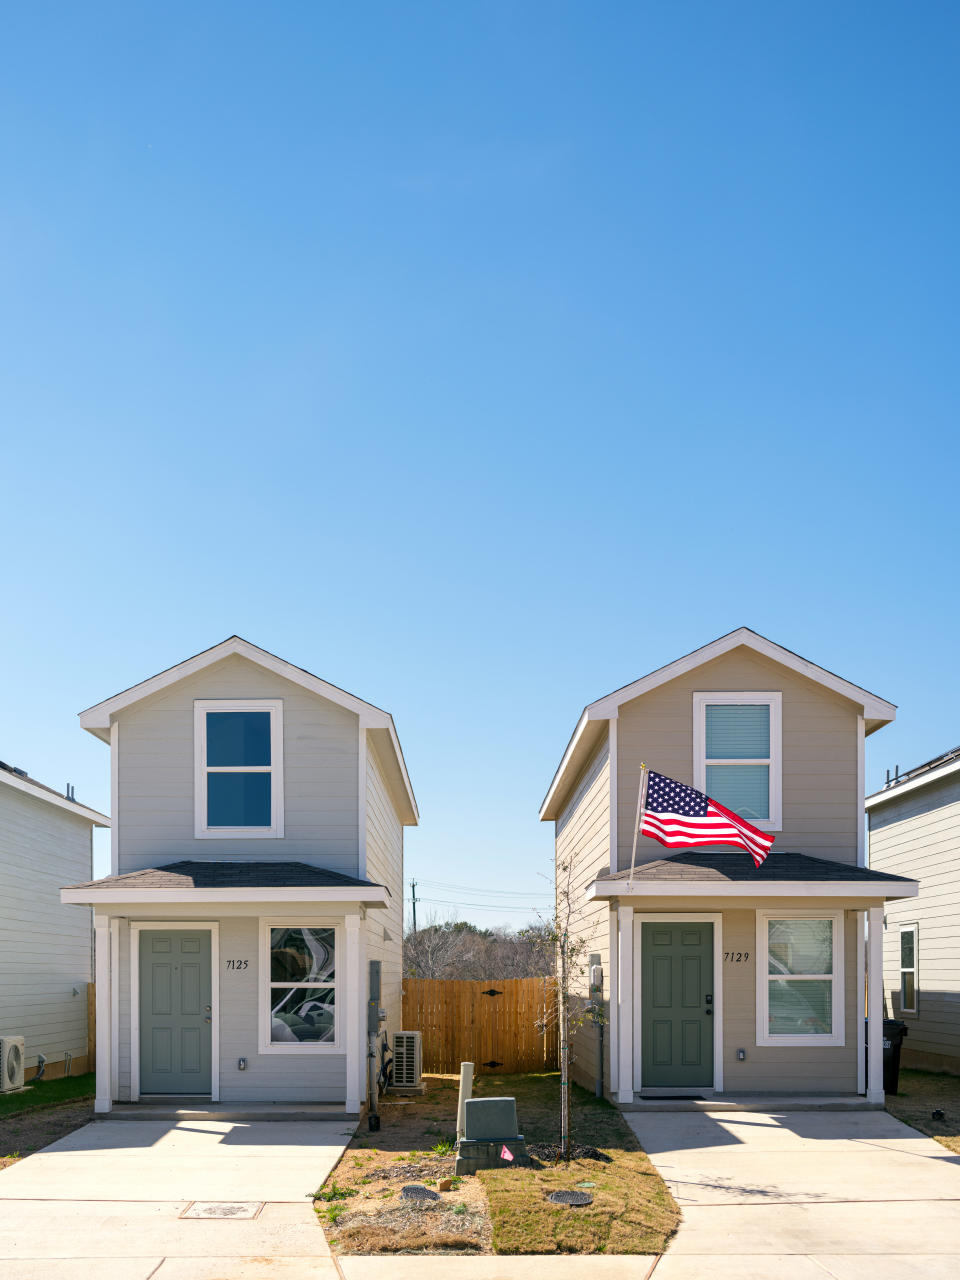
point(237, 964)
point(736, 957)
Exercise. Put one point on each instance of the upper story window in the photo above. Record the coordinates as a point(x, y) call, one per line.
point(238, 751)
point(736, 753)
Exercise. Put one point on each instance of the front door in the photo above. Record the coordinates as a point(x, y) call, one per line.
point(676, 1005)
point(175, 1011)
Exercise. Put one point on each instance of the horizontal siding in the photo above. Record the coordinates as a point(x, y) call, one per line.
point(583, 846)
point(155, 818)
point(918, 835)
point(821, 799)
point(45, 947)
point(384, 928)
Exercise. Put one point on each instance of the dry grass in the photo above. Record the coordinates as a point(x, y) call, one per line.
point(922, 1093)
point(28, 1131)
point(500, 1210)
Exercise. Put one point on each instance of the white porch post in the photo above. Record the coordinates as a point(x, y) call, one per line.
point(103, 1101)
point(875, 1005)
point(356, 1014)
point(625, 1005)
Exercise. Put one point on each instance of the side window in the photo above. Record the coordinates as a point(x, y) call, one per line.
point(737, 753)
point(238, 751)
point(909, 992)
point(800, 978)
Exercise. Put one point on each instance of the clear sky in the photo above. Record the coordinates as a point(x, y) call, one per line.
point(479, 358)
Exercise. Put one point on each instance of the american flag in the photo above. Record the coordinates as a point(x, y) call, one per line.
point(682, 818)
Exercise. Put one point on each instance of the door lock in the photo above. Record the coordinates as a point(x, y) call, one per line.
point(208, 1019)
point(708, 1012)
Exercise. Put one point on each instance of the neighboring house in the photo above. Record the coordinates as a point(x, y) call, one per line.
point(45, 947)
point(722, 977)
point(257, 866)
point(914, 824)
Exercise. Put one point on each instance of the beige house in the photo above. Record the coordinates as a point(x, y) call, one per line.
point(722, 978)
point(914, 825)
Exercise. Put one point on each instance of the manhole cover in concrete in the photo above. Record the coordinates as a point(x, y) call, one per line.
point(416, 1192)
point(223, 1209)
point(570, 1197)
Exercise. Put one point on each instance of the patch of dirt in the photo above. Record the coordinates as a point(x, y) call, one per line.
point(447, 1226)
point(28, 1131)
point(549, 1152)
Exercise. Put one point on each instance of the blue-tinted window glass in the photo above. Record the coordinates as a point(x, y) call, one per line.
point(238, 800)
point(238, 737)
point(744, 788)
point(738, 731)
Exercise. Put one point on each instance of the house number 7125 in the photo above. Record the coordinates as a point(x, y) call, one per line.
point(237, 964)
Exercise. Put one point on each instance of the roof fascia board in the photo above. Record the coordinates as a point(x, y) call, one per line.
point(61, 802)
point(317, 896)
point(552, 805)
point(914, 784)
point(411, 818)
point(743, 889)
point(874, 708)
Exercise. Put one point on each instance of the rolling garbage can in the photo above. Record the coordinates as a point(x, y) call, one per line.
point(893, 1032)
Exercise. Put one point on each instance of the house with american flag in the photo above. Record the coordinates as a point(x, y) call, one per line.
point(710, 852)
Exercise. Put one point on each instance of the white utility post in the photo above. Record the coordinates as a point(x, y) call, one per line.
point(103, 1101)
point(875, 1005)
point(356, 1011)
point(625, 1005)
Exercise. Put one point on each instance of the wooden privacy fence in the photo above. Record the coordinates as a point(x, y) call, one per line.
point(491, 1024)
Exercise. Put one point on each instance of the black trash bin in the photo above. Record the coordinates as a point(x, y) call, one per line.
point(893, 1032)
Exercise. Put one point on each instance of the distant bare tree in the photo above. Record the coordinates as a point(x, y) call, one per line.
point(457, 949)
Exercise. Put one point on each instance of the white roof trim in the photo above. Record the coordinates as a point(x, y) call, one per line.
point(874, 708)
point(912, 784)
point(96, 719)
point(61, 802)
point(316, 895)
point(746, 889)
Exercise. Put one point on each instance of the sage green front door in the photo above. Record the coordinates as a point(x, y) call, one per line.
point(676, 1005)
point(175, 1011)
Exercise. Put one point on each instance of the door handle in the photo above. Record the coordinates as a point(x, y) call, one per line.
point(207, 1008)
point(208, 1019)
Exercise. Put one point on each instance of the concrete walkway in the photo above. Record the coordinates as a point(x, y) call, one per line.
point(161, 1200)
point(805, 1196)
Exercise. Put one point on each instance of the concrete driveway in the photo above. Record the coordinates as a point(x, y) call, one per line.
point(198, 1199)
point(805, 1195)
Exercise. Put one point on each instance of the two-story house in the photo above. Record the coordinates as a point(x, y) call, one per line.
point(722, 978)
point(46, 837)
point(257, 866)
point(914, 824)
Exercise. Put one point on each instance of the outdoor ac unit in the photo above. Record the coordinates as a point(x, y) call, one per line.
point(11, 1063)
point(407, 1059)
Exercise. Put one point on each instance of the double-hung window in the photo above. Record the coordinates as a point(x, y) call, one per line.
point(908, 968)
point(800, 978)
point(298, 997)
point(736, 753)
point(238, 752)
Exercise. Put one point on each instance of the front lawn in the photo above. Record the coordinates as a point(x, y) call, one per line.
point(921, 1094)
point(499, 1210)
point(48, 1093)
point(42, 1113)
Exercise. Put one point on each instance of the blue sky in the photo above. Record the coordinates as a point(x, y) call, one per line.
point(479, 358)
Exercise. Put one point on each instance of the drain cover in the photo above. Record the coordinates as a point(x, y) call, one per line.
point(570, 1197)
point(223, 1209)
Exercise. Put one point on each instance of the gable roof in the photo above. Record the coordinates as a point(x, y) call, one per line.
point(96, 719)
point(592, 723)
point(19, 780)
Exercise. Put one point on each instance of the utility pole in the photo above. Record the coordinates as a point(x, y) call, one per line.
point(413, 890)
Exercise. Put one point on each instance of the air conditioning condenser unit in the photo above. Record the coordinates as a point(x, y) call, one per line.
point(11, 1063)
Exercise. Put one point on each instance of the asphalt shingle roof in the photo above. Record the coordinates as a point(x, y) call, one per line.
point(230, 875)
point(722, 866)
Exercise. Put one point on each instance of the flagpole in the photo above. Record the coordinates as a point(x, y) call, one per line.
point(641, 799)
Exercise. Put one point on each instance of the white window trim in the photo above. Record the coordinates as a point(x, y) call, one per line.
point(837, 1036)
point(263, 984)
point(200, 708)
point(902, 969)
point(773, 700)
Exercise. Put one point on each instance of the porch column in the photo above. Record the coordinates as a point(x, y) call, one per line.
point(103, 1101)
point(625, 1004)
point(355, 1014)
point(875, 1005)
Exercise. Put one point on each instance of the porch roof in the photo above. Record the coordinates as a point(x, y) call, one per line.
point(228, 882)
point(730, 872)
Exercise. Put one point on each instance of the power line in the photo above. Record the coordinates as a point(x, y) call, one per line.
point(479, 906)
point(487, 892)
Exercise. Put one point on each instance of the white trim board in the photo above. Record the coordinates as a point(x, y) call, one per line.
point(749, 889)
point(837, 1037)
point(136, 926)
point(376, 895)
point(60, 802)
point(673, 917)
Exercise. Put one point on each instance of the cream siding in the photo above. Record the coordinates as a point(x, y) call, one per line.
point(821, 798)
point(45, 947)
point(156, 775)
point(384, 928)
point(918, 835)
point(583, 844)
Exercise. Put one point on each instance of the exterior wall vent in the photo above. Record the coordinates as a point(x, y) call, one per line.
point(407, 1059)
